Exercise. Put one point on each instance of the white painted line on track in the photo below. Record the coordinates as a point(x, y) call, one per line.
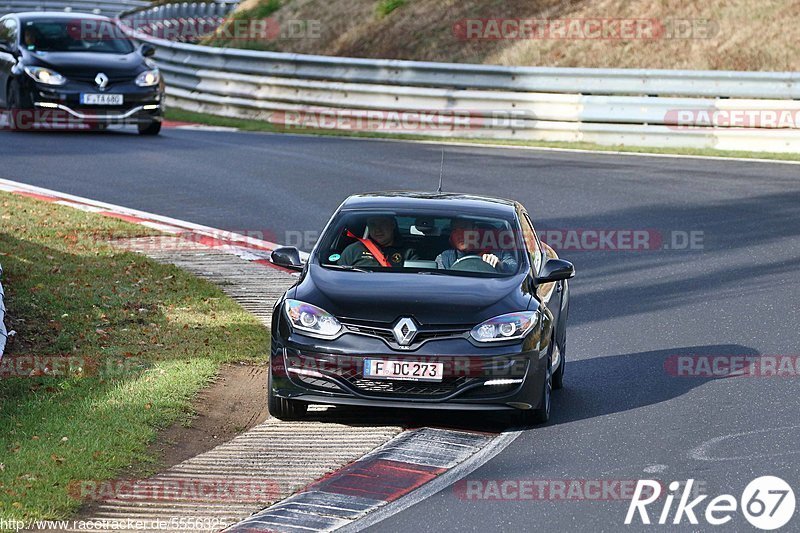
point(152, 220)
point(202, 127)
point(702, 452)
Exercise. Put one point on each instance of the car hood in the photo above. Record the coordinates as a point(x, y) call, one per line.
point(430, 299)
point(87, 63)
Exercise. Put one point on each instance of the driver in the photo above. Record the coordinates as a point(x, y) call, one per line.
point(384, 237)
point(464, 239)
point(31, 38)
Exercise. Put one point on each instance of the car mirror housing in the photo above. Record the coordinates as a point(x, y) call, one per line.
point(5, 46)
point(148, 50)
point(555, 270)
point(287, 257)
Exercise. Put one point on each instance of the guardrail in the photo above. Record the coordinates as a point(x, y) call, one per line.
point(605, 106)
point(101, 7)
point(752, 111)
point(179, 22)
point(3, 332)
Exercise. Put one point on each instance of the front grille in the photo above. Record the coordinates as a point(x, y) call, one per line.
point(426, 335)
point(385, 334)
point(89, 78)
point(383, 330)
point(406, 388)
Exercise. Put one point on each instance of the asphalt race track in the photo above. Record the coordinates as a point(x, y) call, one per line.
point(624, 414)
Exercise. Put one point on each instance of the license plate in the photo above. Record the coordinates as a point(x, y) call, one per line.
point(403, 370)
point(101, 99)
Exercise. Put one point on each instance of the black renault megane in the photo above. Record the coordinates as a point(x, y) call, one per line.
point(71, 69)
point(423, 300)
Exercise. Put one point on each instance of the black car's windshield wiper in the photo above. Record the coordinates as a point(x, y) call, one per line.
point(349, 268)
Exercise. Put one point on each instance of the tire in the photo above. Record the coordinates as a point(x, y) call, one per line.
point(541, 415)
point(282, 408)
point(151, 128)
point(16, 100)
point(558, 375)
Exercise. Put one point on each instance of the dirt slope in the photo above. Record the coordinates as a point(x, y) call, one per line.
point(692, 34)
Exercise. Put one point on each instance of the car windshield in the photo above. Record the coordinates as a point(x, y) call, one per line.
point(455, 244)
point(78, 35)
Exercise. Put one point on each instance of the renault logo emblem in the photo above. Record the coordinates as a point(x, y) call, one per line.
point(404, 331)
point(101, 80)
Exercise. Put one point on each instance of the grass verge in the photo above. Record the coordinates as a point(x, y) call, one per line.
point(261, 126)
point(110, 347)
point(385, 7)
point(260, 11)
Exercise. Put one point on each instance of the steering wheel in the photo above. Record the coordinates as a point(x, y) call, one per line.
point(472, 263)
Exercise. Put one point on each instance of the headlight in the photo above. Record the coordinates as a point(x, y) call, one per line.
point(311, 319)
point(508, 327)
point(45, 75)
point(148, 78)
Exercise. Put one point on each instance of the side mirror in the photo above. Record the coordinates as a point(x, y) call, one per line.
point(5, 47)
point(287, 257)
point(555, 270)
point(148, 50)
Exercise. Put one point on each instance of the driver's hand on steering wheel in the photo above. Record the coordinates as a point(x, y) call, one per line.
point(491, 259)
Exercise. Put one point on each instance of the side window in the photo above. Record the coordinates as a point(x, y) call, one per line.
point(532, 243)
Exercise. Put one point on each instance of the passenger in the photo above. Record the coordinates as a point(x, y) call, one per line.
point(465, 244)
point(383, 239)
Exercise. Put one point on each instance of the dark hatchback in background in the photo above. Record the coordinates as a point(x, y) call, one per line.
point(73, 69)
point(434, 328)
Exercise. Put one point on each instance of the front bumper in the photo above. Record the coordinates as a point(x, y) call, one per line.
point(142, 114)
point(61, 105)
point(493, 378)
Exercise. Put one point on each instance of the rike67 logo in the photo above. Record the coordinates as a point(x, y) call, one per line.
point(768, 503)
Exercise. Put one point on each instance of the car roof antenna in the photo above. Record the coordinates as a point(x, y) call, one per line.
point(441, 173)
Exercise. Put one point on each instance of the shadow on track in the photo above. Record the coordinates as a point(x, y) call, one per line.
point(593, 388)
point(607, 385)
point(662, 279)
